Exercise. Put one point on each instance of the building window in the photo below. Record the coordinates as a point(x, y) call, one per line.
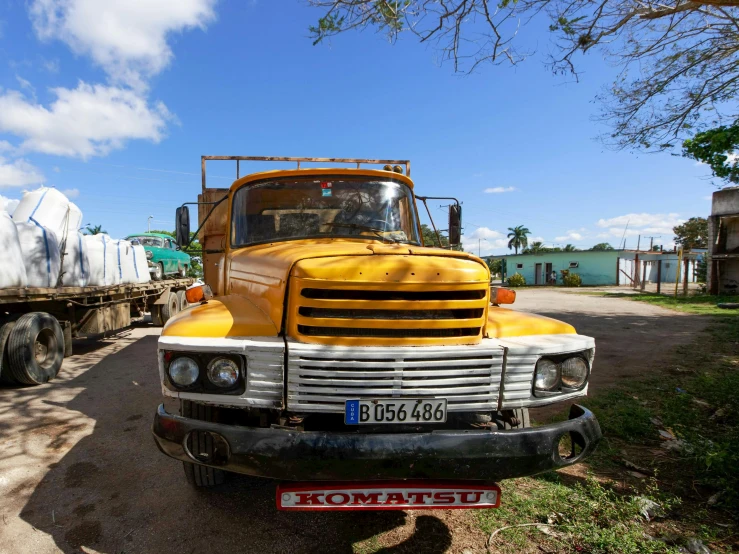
point(573, 265)
point(519, 266)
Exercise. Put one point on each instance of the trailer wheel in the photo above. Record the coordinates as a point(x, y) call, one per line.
point(182, 300)
point(171, 308)
point(183, 271)
point(35, 348)
point(198, 475)
point(5, 375)
point(158, 274)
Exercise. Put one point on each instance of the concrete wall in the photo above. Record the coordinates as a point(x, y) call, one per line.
point(595, 268)
point(725, 201)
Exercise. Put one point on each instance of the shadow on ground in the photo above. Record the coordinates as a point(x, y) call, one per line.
point(114, 492)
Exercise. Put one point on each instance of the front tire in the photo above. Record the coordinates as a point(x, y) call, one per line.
point(35, 348)
point(183, 271)
point(199, 475)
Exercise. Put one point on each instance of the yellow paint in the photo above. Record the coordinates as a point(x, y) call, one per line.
point(503, 322)
point(333, 171)
point(256, 278)
point(229, 316)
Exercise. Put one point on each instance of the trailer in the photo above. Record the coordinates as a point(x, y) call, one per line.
point(37, 325)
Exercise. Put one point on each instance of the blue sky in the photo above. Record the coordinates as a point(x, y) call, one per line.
point(116, 101)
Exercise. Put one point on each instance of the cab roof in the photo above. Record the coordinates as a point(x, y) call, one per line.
point(158, 235)
point(329, 171)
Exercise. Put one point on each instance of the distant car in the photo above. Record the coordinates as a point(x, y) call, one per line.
point(163, 255)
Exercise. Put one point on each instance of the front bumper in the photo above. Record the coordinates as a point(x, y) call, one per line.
point(287, 454)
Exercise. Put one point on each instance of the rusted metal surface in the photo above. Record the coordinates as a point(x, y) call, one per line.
point(298, 160)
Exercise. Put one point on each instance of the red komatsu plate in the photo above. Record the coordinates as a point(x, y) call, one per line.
point(388, 495)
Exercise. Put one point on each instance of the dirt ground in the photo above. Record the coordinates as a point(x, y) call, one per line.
point(79, 470)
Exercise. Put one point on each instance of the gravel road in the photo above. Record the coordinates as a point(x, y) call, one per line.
point(79, 470)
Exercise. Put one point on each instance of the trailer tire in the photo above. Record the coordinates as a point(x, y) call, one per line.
point(5, 375)
point(199, 475)
point(183, 271)
point(182, 300)
point(35, 348)
point(171, 308)
point(158, 273)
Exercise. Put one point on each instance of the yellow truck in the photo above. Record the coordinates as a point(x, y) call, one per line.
point(332, 351)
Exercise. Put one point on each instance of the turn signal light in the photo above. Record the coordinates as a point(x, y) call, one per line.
point(198, 293)
point(499, 295)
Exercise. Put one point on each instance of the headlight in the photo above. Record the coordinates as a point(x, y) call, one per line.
point(574, 372)
point(223, 372)
point(184, 371)
point(149, 254)
point(547, 375)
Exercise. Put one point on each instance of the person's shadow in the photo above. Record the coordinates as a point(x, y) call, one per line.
point(114, 492)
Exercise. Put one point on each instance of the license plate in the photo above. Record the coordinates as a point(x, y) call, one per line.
point(401, 495)
point(395, 410)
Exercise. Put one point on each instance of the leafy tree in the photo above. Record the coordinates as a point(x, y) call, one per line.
point(495, 266)
point(692, 234)
point(95, 230)
point(536, 248)
point(430, 238)
point(602, 247)
point(679, 59)
point(716, 148)
point(518, 237)
point(569, 248)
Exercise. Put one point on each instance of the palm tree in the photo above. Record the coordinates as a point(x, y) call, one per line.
point(535, 247)
point(95, 230)
point(570, 248)
point(518, 237)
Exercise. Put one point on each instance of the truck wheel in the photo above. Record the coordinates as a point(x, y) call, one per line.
point(5, 375)
point(183, 271)
point(156, 315)
point(158, 274)
point(513, 419)
point(35, 348)
point(198, 475)
point(171, 308)
point(182, 300)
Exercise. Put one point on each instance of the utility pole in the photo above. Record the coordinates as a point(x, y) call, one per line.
point(651, 241)
point(148, 223)
point(638, 242)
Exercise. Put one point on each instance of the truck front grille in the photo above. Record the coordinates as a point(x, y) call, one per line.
point(322, 378)
point(385, 313)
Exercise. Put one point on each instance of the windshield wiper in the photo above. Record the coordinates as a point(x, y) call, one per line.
point(360, 227)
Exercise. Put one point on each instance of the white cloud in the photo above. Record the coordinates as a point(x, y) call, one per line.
point(19, 173)
point(25, 84)
point(639, 220)
point(571, 235)
point(5, 146)
point(52, 66)
point(8, 204)
point(71, 193)
point(498, 190)
point(90, 120)
point(484, 241)
point(127, 38)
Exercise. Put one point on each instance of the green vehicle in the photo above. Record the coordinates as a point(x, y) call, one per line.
point(162, 254)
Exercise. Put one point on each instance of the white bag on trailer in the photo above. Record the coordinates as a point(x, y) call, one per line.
point(49, 208)
point(75, 262)
point(12, 268)
point(41, 256)
point(140, 264)
point(103, 257)
point(126, 264)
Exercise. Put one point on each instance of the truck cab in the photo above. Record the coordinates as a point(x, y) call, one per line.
point(331, 348)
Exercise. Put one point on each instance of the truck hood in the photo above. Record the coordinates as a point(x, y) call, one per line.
point(260, 273)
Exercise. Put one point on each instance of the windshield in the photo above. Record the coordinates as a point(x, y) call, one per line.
point(147, 241)
point(337, 207)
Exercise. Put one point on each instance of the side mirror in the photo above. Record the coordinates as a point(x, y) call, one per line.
point(455, 224)
point(182, 226)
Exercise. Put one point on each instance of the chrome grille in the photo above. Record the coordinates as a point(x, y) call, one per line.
point(321, 378)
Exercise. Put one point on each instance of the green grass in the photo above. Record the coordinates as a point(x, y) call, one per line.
point(698, 304)
point(695, 396)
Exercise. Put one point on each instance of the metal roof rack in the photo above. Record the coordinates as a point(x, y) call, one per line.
point(358, 161)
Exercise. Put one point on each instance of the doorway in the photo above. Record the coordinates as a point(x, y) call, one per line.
point(548, 274)
point(537, 274)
